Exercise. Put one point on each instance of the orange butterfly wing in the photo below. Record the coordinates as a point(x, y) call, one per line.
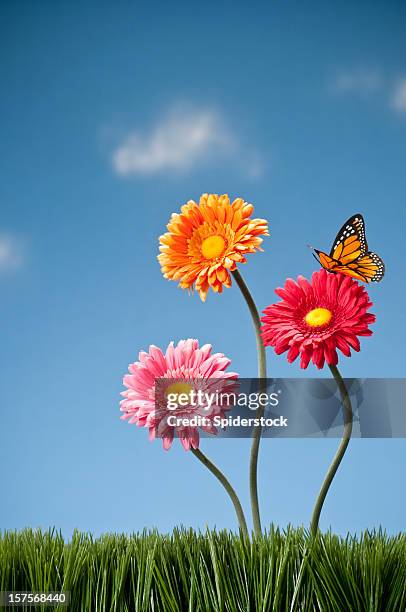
point(326, 261)
point(349, 254)
point(369, 268)
point(350, 242)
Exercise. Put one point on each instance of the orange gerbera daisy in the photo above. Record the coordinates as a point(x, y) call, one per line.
point(206, 241)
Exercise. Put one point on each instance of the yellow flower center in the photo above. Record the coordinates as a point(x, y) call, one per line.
point(178, 388)
point(318, 317)
point(213, 246)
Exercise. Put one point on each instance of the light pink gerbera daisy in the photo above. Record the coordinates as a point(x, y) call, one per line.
point(316, 318)
point(183, 370)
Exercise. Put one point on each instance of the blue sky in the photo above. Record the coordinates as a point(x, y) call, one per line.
point(112, 116)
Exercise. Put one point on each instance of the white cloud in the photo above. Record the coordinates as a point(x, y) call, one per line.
point(360, 81)
point(367, 81)
point(398, 101)
point(182, 139)
point(10, 253)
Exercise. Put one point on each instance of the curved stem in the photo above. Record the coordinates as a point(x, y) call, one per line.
point(226, 484)
point(347, 410)
point(256, 434)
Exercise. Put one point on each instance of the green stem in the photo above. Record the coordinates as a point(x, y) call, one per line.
point(347, 409)
point(226, 484)
point(256, 434)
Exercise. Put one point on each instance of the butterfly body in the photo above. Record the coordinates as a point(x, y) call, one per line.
point(349, 254)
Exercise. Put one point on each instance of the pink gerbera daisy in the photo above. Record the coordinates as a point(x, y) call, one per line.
point(316, 318)
point(183, 370)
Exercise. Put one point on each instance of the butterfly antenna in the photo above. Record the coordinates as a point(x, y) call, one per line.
point(314, 253)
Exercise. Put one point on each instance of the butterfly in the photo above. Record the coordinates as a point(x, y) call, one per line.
point(349, 254)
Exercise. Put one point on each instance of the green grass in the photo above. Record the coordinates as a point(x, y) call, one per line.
point(213, 571)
